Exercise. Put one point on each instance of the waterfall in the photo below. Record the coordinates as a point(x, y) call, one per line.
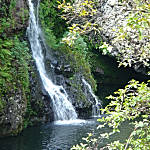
point(63, 109)
point(97, 106)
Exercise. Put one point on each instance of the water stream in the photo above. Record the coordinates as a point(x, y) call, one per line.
point(97, 105)
point(63, 109)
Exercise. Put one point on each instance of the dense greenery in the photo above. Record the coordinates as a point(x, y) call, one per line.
point(12, 19)
point(56, 33)
point(131, 103)
point(15, 60)
point(14, 54)
point(14, 57)
point(50, 19)
point(82, 17)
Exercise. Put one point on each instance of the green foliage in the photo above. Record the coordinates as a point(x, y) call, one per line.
point(14, 54)
point(105, 48)
point(131, 103)
point(77, 15)
point(76, 44)
point(14, 58)
point(29, 114)
point(9, 17)
point(92, 142)
point(50, 38)
point(82, 55)
point(82, 17)
point(50, 18)
point(4, 17)
point(78, 62)
point(137, 21)
point(51, 22)
point(55, 28)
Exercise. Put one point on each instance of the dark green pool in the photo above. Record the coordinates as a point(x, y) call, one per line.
point(57, 136)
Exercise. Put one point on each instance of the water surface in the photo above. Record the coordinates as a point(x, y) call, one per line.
point(60, 135)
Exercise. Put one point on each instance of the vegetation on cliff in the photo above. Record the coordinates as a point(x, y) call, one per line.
point(118, 28)
point(16, 110)
point(14, 66)
point(55, 31)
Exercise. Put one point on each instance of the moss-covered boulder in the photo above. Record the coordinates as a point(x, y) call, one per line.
point(67, 68)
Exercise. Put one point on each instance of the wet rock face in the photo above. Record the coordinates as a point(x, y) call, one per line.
point(17, 14)
point(40, 101)
point(112, 16)
point(62, 69)
point(62, 73)
point(12, 116)
point(35, 106)
point(20, 14)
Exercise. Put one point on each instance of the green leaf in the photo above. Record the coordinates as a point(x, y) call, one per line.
point(5, 52)
point(5, 74)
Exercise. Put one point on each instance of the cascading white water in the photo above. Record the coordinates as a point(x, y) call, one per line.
point(97, 106)
point(63, 109)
